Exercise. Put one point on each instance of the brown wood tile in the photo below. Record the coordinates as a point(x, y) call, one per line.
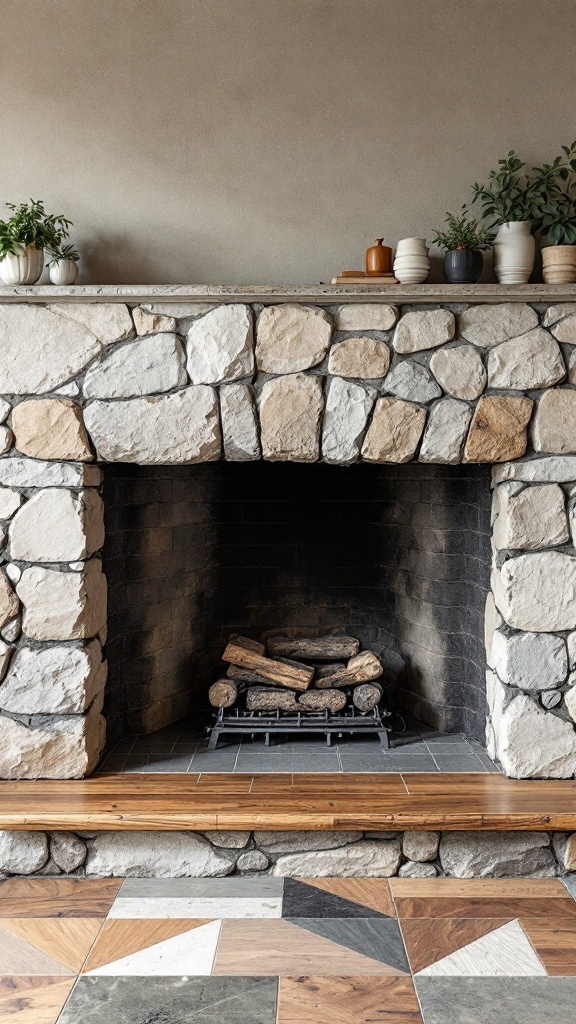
point(348, 1000)
point(508, 909)
point(120, 938)
point(486, 888)
point(57, 897)
point(18, 956)
point(67, 940)
point(468, 898)
point(554, 942)
point(430, 939)
point(25, 1000)
point(368, 892)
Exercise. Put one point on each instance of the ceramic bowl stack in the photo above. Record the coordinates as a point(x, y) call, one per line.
point(412, 265)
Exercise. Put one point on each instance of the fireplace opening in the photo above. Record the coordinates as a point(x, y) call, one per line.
point(397, 556)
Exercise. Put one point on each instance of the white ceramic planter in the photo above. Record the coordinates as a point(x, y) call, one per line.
point(514, 250)
point(63, 271)
point(22, 267)
point(412, 265)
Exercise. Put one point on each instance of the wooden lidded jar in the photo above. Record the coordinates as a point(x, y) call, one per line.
point(378, 259)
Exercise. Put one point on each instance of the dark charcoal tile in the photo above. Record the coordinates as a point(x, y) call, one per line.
point(159, 1000)
point(459, 763)
point(411, 748)
point(497, 1000)
point(301, 900)
point(389, 763)
point(379, 939)
point(168, 763)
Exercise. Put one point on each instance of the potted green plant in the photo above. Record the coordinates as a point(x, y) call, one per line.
point(508, 201)
point(556, 183)
point(23, 239)
point(463, 241)
point(63, 264)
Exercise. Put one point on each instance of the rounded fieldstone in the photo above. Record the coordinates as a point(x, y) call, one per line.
point(424, 329)
point(460, 371)
point(290, 338)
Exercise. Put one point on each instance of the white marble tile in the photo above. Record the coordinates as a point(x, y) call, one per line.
point(191, 953)
point(504, 952)
point(201, 907)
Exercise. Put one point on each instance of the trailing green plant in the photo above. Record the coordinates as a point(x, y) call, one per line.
point(31, 227)
point(62, 252)
point(464, 232)
point(556, 195)
point(510, 193)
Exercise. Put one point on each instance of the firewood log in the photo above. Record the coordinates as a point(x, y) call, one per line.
point(283, 673)
point(366, 696)
point(245, 641)
point(360, 669)
point(223, 693)
point(244, 675)
point(322, 700)
point(319, 648)
point(265, 698)
point(323, 671)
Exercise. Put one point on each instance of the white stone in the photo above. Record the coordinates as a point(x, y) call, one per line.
point(147, 322)
point(156, 855)
point(13, 572)
point(489, 325)
point(531, 519)
point(369, 316)
point(12, 630)
point(146, 366)
point(53, 680)
point(532, 361)
point(108, 321)
point(22, 853)
point(35, 473)
point(220, 346)
point(565, 331)
point(537, 592)
point(290, 412)
point(366, 859)
point(67, 851)
point(348, 406)
point(41, 350)
point(276, 843)
point(414, 869)
point(71, 390)
point(8, 600)
point(63, 605)
point(360, 358)
point(53, 746)
point(228, 840)
point(555, 313)
point(252, 860)
point(492, 619)
point(10, 502)
point(460, 371)
point(411, 381)
point(5, 408)
point(5, 654)
point(6, 440)
point(446, 431)
point(542, 469)
point(528, 741)
point(571, 645)
point(570, 700)
point(550, 698)
point(424, 329)
point(171, 429)
point(530, 661)
point(420, 846)
point(554, 425)
point(496, 854)
point(290, 338)
point(239, 423)
point(57, 525)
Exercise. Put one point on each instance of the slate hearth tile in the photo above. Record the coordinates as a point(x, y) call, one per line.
point(135, 763)
point(412, 747)
point(306, 900)
point(214, 761)
point(30, 1000)
point(389, 763)
point(459, 763)
point(327, 762)
point(168, 763)
point(185, 1000)
point(111, 764)
point(497, 1000)
point(350, 1000)
point(262, 763)
point(371, 894)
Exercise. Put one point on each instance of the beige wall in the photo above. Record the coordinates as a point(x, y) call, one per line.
point(269, 140)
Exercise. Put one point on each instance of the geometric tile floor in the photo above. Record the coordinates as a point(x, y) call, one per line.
point(287, 951)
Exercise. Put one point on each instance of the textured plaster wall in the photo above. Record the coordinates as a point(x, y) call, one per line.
point(269, 140)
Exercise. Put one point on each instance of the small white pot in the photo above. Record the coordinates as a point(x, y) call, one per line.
point(22, 267)
point(412, 247)
point(514, 251)
point(63, 271)
point(411, 269)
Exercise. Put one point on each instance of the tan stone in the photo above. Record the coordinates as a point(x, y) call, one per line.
point(395, 431)
point(9, 603)
point(147, 322)
point(51, 428)
point(290, 338)
point(362, 358)
point(498, 429)
point(63, 605)
point(290, 411)
point(554, 427)
point(424, 328)
point(570, 853)
point(366, 316)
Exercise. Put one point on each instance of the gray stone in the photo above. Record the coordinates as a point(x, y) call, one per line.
point(5, 408)
point(412, 382)
point(497, 854)
point(530, 661)
point(362, 358)
point(6, 440)
point(382, 835)
point(572, 367)
point(53, 680)
point(9, 603)
point(532, 361)
point(542, 469)
point(570, 701)
point(529, 742)
point(275, 843)
point(555, 313)
point(67, 851)
point(252, 860)
point(369, 316)
point(156, 855)
point(535, 592)
point(10, 502)
point(63, 605)
point(12, 629)
point(228, 840)
point(5, 655)
point(290, 338)
point(22, 853)
point(365, 859)
point(348, 406)
point(531, 519)
point(550, 699)
point(565, 330)
point(420, 846)
point(146, 366)
point(414, 869)
point(460, 371)
point(571, 645)
point(554, 427)
point(57, 525)
point(489, 325)
point(424, 329)
point(53, 746)
point(220, 345)
point(34, 473)
point(446, 431)
point(108, 321)
point(394, 432)
point(239, 423)
point(290, 412)
point(170, 429)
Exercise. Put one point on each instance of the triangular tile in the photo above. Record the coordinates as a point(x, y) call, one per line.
point(120, 938)
point(20, 957)
point(190, 953)
point(430, 939)
point(379, 938)
point(33, 1000)
point(505, 952)
point(66, 939)
point(303, 900)
point(370, 893)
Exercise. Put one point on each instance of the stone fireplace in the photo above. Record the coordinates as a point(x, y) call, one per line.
point(176, 466)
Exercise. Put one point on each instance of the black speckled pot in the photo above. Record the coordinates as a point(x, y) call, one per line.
point(463, 266)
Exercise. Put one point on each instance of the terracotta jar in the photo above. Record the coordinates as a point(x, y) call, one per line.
point(378, 259)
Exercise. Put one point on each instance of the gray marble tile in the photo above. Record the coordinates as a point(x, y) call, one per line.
point(159, 1000)
point(570, 883)
point(188, 888)
point(459, 762)
point(387, 763)
point(497, 1000)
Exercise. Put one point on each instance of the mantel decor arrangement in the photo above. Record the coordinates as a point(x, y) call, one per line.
point(25, 238)
point(464, 239)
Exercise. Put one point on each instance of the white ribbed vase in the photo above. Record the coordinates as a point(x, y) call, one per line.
point(514, 251)
point(412, 265)
point(63, 272)
point(22, 267)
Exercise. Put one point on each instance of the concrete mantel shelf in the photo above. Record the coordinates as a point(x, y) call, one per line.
point(321, 294)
